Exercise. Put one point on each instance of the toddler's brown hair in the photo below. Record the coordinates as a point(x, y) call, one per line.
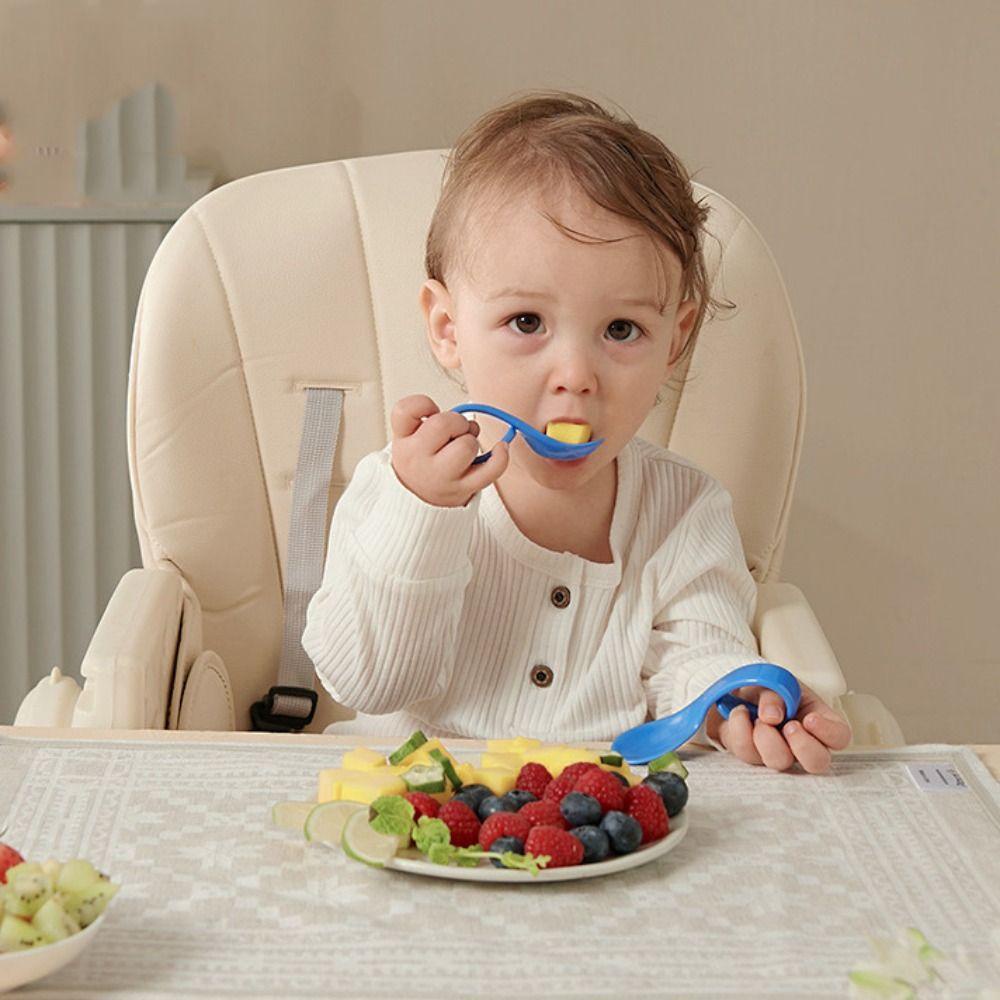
point(545, 139)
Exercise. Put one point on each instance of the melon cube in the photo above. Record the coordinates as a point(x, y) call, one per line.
point(498, 780)
point(518, 745)
point(491, 758)
point(363, 759)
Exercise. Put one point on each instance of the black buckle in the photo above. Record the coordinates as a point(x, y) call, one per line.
point(263, 717)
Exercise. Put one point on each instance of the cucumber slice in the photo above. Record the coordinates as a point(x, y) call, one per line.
point(668, 762)
point(417, 739)
point(614, 759)
point(449, 769)
point(424, 778)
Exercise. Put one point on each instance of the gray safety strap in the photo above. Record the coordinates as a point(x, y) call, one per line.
point(306, 540)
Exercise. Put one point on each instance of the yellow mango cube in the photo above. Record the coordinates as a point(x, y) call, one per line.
point(517, 746)
point(422, 755)
point(366, 786)
point(491, 758)
point(466, 773)
point(499, 780)
point(363, 759)
point(570, 433)
point(329, 784)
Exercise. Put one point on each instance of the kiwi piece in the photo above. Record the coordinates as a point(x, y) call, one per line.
point(17, 934)
point(417, 739)
point(86, 906)
point(53, 922)
point(25, 893)
point(614, 759)
point(76, 875)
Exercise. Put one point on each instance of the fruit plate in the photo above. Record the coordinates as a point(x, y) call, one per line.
point(412, 861)
point(20, 967)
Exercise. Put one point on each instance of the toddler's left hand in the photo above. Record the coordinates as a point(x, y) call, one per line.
point(816, 729)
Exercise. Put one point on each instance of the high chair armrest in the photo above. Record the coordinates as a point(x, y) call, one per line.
point(789, 634)
point(129, 666)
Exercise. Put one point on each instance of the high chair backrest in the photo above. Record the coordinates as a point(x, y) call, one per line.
point(309, 275)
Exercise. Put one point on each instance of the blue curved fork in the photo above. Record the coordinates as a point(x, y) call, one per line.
point(544, 445)
point(646, 742)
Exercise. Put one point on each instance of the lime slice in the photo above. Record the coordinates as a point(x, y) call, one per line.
point(291, 815)
point(393, 815)
point(326, 821)
point(362, 843)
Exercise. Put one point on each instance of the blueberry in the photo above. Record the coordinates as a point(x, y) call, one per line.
point(621, 777)
point(671, 788)
point(518, 797)
point(494, 804)
point(580, 809)
point(502, 844)
point(472, 795)
point(623, 831)
point(596, 843)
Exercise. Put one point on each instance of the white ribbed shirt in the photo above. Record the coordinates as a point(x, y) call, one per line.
point(437, 618)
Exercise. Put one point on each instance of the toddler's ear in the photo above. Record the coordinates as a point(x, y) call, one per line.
point(436, 302)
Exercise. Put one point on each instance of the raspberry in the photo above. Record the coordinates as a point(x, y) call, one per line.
point(462, 822)
point(604, 787)
point(423, 805)
point(561, 846)
point(645, 806)
point(502, 824)
point(533, 778)
point(544, 813)
point(558, 788)
point(575, 770)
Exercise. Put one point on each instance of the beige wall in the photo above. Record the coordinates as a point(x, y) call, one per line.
point(859, 137)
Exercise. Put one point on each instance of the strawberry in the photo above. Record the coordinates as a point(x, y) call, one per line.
point(423, 805)
point(644, 805)
point(503, 824)
point(561, 846)
point(534, 778)
point(543, 813)
point(8, 858)
point(575, 770)
point(604, 787)
point(462, 822)
point(557, 788)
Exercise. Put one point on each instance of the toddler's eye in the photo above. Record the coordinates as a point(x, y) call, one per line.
point(519, 317)
point(627, 323)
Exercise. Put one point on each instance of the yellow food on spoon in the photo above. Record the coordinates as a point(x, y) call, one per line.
point(568, 433)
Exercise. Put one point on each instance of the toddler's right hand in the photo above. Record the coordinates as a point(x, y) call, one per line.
point(432, 453)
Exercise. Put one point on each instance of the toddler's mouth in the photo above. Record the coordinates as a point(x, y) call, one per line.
point(569, 431)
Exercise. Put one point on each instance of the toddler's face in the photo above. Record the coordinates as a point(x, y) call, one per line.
point(543, 328)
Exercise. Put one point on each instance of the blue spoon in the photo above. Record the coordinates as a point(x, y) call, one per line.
point(646, 742)
point(546, 446)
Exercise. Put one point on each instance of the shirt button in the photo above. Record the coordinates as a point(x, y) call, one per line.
point(541, 675)
point(560, 597)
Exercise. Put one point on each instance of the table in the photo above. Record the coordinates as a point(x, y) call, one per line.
point(777, 890)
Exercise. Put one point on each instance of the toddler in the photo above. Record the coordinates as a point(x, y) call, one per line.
point(566, 601)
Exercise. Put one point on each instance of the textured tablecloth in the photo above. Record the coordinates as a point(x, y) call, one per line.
point(775, 891)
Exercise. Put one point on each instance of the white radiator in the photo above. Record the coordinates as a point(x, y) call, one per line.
point(68, 291)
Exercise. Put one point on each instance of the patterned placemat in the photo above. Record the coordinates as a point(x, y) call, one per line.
point(779, 885)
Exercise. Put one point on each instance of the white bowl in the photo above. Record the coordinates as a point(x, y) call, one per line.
point(20, 967)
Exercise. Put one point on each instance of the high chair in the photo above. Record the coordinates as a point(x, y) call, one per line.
point(302, 281)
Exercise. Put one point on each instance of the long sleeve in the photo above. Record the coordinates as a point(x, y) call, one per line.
point(702, 629)
point(381, 629)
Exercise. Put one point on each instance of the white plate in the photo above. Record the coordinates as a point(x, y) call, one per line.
point(413, 861)
point(20, 967)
